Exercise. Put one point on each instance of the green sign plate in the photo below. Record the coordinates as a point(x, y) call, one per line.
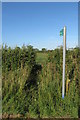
point(61, 32)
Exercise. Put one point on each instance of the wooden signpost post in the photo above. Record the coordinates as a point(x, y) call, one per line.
point(63, 33)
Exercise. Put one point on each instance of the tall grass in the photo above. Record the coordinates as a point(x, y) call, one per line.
point(37, 91)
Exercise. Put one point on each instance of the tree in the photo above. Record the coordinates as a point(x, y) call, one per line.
point(43, 49)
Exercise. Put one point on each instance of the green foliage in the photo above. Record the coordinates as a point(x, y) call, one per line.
point(13, 59)
point(35, 90)
point(41, 57)
point(44, 50)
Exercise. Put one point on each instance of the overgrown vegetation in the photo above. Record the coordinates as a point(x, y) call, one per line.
point(34, 88)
